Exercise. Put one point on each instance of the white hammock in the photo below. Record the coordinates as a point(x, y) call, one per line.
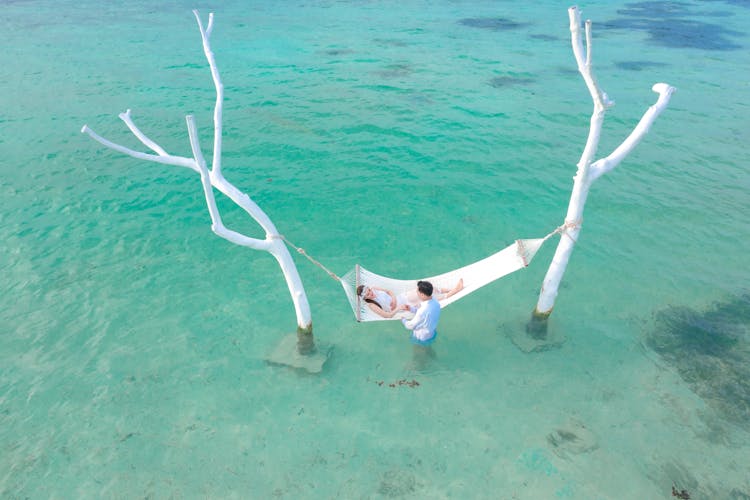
point(474, 276)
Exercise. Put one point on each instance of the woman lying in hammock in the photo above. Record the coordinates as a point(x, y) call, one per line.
point(387, 304)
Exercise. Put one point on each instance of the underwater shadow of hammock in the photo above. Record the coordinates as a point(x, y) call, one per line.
point(476, 275)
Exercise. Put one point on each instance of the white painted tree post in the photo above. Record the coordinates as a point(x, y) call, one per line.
point(273, 242)
point(588, 172)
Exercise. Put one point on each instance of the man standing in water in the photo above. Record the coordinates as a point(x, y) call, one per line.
point(426, 316)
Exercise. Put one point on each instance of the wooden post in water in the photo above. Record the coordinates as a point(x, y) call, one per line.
point(588, 170)
point(210, 179)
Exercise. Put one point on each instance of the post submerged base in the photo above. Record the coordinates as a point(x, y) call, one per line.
point(299, 351)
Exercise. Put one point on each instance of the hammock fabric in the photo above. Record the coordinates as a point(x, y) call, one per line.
point(512, 258)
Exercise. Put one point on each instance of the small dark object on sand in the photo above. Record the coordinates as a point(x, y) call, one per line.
point(403, 381)
point(682, 494)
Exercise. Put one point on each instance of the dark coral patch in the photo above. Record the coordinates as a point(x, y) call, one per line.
point(656, 10)
point(638, 65)
point(738, 3)
point(338, 52)
point(567, 70)
point(544, 38)
point(491, 23)
point(663, 10)
point(711, 352)
point(673, 24)
point(390, 42)
point(509, 81)
point(395, 71)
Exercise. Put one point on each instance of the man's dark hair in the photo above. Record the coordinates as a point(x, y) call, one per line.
point(425, 287)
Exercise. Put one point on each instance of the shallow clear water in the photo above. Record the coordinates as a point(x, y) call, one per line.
point(410, 137)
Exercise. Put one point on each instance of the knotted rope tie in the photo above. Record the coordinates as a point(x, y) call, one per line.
point(302, 252)
point(563, 229)
point(570, 225)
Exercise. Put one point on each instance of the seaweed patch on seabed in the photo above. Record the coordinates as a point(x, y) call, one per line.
point(397, 483)
point(738, 3)
point(395, 71)
point(638, 65)
point(491, 23)
point(544, 37)
point(338, 52)
point(711, 352)
point(509, 81)
point(673, 24)
point(572, 438)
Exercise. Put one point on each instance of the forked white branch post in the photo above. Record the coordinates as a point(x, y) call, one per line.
point(588, 170)
point(273, 242)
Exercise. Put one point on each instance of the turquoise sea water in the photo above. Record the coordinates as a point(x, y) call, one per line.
point(410, 137)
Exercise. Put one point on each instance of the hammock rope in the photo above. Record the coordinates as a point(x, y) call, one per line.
point(302, 252)
point(516, 256)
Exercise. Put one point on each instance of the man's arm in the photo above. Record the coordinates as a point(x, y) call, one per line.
point(410, 324)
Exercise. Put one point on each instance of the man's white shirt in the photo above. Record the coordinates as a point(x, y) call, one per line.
point(425, 321)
